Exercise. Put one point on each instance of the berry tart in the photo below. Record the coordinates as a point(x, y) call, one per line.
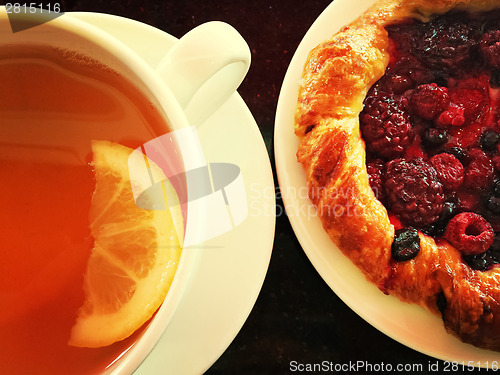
point(398, 120)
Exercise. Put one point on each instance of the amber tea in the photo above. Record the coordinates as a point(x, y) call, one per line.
point(52, 104)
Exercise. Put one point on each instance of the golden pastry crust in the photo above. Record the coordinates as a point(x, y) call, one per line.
point(335, 80)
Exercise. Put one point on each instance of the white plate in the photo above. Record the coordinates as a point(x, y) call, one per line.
point(409, 324)
point(233, 266)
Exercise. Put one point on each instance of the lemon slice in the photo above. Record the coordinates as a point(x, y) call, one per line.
point(135, 253)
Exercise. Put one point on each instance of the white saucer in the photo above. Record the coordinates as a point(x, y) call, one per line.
point(409, 324)
point(233, 266)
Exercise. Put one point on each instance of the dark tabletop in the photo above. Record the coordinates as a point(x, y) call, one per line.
point(297, 317)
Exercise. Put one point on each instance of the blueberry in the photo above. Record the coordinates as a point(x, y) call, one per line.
point(495, 189)
point(484, 261)
point(489, 141)
point(495, 78)
point(434, 138)
point(438, 227)
point(491, 201)
point(406, 244)
point(494, 250)
point(449, 210)
point(459, 153)
point(479, 262)
point(441, 78)
point(493, 205)
point(494, 255)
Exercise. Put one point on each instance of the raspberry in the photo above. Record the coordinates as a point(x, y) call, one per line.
point(469, 233)
point(490, 48)
point(385, 125)
point(472, 102)
point(374, 170)
point(449, 170)
point(453, 115)
point(480, 172)
point(472, 95)
point(413, 191)
point(428, 101)
point(467, 201)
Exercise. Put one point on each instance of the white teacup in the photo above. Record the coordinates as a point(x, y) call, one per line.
point(192, 81)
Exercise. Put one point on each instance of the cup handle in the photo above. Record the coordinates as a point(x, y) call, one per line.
point(205, 68)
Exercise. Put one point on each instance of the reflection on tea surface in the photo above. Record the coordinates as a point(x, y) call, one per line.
point(52, 104)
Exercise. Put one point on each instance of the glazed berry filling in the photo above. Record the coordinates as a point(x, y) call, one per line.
point(431, 126)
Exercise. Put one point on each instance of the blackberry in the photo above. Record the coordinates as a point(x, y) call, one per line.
point(385, 125)
point(490, 48)
point(397, 83)
point(447, 43)
point(413, 191)
point(403, 75)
